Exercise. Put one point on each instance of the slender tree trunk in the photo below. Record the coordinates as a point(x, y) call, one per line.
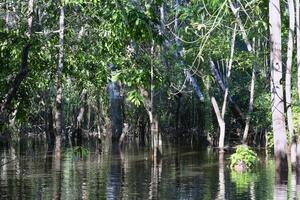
point(221, 114)
point(221, 123)
point(251, 102)
point(116, 109)
point(298, 69)
point(59, 87)
point(278, 119)
point(80, 115)
point(222, 86)
point(49, 118)
point(229, 67)
point(288, 81)
point(153, 118)
point(177, 117)
point(235, 11)
point(22, 74)
point(221, 187)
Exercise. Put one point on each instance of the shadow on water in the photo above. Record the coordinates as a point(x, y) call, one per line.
point(30, 171)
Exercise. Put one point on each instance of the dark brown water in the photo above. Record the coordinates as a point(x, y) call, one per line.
point(182, 173)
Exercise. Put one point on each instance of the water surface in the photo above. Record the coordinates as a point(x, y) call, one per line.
point(183, 172)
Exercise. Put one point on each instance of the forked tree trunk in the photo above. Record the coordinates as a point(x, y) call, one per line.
point(250, 49)
point(221, 114)
point(59, 87)
point(22, 74)
point(278, 119)
point(221, 123)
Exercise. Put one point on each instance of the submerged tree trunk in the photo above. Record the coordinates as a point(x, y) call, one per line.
point(288, 81)
point(115, 109)
point(80, 115)
point(221, 123)
point(50, 133)
point(278, 119)
point(250, 49)
point(155, 135)
point(59, 87)
point(221, 114)
point(23, 67)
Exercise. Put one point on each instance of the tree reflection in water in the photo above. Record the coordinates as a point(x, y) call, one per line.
point(130, 173)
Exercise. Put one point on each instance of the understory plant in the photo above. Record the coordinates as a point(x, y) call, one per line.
point(243, 156)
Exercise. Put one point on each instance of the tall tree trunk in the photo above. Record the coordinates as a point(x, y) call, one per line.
point(288, 81)
point(115, 109)
point(221, 114)
point(22, 74)
point(250, 49)
point(298, 69)
point(251, 102)
point(150, 108)
point(59, 87)
point(278, 119)
point(50, 133)
point(80, 115)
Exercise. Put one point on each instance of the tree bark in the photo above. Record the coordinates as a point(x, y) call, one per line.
point(221, 123)
point(22, 74)
point(80, 115)
point(278, 119)
point(50, 133)
point(116, 110)
point(288, 81)
point(59, 87)
point(298, 72)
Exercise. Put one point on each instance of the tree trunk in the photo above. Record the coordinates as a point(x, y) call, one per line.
point(22, 74)
point(221, 123)
point(80, 115)
point(50, 133)
point(116, 110)
point(177, 117)
point(235, 11)
point(222, 86)
point(288, 81)
point(298, 73)
point(155, 136)
point(278, 119)
point(59, 87)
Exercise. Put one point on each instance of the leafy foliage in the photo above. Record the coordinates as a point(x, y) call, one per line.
point(243, 155)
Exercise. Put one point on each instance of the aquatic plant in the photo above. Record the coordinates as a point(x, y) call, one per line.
point(243, 159)
point(78, 152)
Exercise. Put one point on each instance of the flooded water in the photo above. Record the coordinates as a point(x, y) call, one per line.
point(29, 172)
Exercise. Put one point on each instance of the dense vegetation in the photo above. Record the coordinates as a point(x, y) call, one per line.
point(193, 69)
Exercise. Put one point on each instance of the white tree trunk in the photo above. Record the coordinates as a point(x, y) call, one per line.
point(220, 121)
point(278, 119)
point(288, 81)
point(298, 69)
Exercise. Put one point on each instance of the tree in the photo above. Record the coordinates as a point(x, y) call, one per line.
point(278, 119)
point(59, 86)
point(23, 71)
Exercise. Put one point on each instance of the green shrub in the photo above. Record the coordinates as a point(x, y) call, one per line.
point(243, 155)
